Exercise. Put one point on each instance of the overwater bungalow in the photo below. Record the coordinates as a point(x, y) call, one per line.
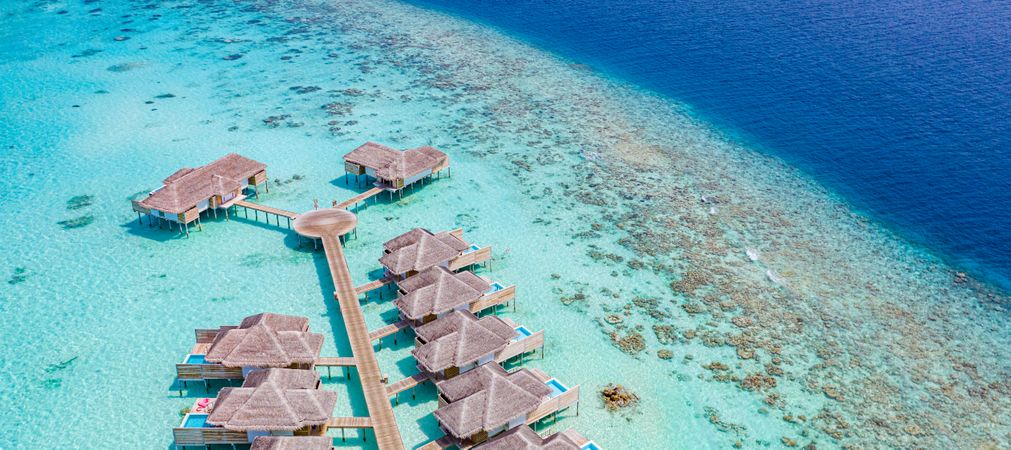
point(524, 438)
point(554, 395)
point(272, 402)
point(487, 401)
point(188, 192)
point(292, 443)
point(394, 169)
point(261, 341)
point(420, 249)
point(460, 342)
point(436, 291)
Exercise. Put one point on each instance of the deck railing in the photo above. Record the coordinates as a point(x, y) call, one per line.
point(525, 345)
point(477, 256)
point(187, 372)
point(558, 403)
point(208, 436)
point(495, 298)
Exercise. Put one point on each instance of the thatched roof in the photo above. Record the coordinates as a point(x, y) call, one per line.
point(292, 443)
point(479, 379)
point(392, 164)
point(262, 346)
point(496, 404)
point(270, 406)
point(414, 235)
point(459, 339)
point(186, 187)
point(283, 378)
point(278, 322)
point(444, 294)
point(433, 274)
point(423, 250)
point(524, 438)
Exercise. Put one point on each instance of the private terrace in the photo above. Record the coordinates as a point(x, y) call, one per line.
point(189, 192)
point(261, 341)
point(393, 169)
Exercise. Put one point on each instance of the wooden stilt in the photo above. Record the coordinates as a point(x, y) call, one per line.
point(187, 229)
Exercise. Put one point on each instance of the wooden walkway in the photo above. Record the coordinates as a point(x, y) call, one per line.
point(266, 209)
point(335, 361)
point(388, 330)
point(406, 384)
point(384, 423)
point(349, 422)
point(373, 285)
point(359, 198)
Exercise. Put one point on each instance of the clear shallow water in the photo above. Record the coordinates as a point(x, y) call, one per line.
point(899, 105)
point(591, 192)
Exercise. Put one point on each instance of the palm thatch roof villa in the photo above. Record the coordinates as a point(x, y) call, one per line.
point(499, 400)
point(394, 169)
point(261, 341)
point(190, 191)
point(272, 402)
point(486, 402)
point(444, 292)
point(460, 342)
point(437, 291)
point(420, 249)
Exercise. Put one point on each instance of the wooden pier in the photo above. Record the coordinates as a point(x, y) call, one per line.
point(335, 361)
point(345, 423)
point(354, 201)
point(373, 285)
point(267, 212)
point(406, 384)
point(389, 330)
point(329, 225)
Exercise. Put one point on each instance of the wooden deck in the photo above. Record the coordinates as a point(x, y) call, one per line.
point(383, 421)
point(389, 330)
point(359, 198)
point(349, 422)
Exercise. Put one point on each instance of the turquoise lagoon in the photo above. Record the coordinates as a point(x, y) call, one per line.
point(741, 301)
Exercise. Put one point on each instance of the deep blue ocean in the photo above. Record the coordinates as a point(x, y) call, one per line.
point(902, 107)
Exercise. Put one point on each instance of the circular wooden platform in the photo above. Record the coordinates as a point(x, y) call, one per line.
point(325, 222)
